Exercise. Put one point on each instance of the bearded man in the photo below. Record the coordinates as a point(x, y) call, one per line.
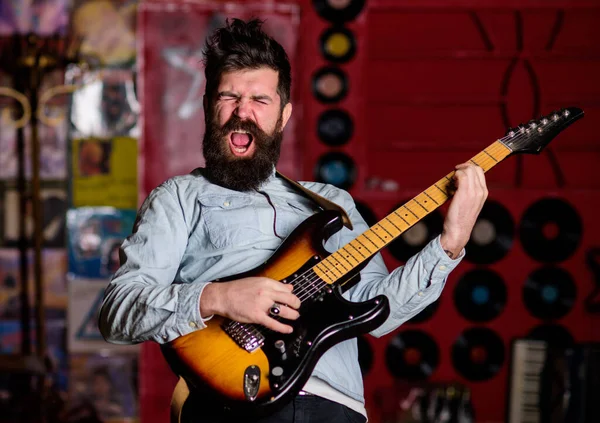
point(231, 216)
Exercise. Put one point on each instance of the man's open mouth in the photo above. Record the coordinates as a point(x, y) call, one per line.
point(240, 142)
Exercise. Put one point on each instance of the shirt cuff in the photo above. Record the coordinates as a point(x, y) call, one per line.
point(441, 263)
point(187, 313)
point(203, 319)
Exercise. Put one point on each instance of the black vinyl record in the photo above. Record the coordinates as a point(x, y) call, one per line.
point(330, 84)
point(427, 313)
point(335, 127)
point(492, 236)
point(366, 213)
point(365, 355)
point(337, 169)
point(414, 239)
point(480, 295)
point(338, 11)
point(553, 334)
point(412, 355)
point(550, 230)
point(338, 44)
point(549, 293)
point(478, 354)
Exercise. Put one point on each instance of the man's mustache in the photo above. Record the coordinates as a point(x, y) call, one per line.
point(246, 125)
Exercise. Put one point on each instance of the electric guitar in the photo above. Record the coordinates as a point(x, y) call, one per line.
point(251, 370)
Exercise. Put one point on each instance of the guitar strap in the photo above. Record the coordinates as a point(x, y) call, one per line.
point(321, 201)
point(182, 391)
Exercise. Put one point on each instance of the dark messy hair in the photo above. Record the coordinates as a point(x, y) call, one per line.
point(244, 45)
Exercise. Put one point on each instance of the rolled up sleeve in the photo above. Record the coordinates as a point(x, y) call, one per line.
point(141, 302)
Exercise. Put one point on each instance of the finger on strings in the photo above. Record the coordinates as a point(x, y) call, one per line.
point(288, 299)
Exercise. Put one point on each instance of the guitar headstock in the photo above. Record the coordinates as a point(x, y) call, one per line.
point(534, 136)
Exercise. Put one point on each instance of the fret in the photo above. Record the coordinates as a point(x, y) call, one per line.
point(482, 161)
point(337, 255)
point(346, 255)
point(362, 245)
point(439, 196)
point(323, 274)
point(411, 217)
point(371, 240)
point(423, 201)
point(490, 156)
point(441, 190)
point(374, 231)
point(337, 263)
point(403, 219)
point(357, 250)
point(332, 267)
point(388, 220)
point(422, 206)
point(430, 197)
point(387, 235)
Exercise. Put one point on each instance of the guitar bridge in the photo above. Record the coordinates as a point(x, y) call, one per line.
point(246, 336)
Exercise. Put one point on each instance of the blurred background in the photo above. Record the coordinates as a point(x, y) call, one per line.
point(101, 101)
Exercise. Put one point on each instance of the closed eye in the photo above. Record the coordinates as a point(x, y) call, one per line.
point(262, 99)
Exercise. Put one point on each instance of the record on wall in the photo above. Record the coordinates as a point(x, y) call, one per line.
point(553, 334)
point(338, 44)
point(480, 295)
point(418, 236)
point(549, 293)
point(550, 230)
point(338, 11)
point(335, 127)
point(492, 236)
point(330, 84)
point(337, 169)
point(478, 354)
point(412, 355)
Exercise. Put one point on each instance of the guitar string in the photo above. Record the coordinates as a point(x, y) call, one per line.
point(305, 292)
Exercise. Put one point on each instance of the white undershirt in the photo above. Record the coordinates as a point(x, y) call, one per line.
point(322, 389)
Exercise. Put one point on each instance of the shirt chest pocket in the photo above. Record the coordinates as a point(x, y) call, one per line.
point(230, 221)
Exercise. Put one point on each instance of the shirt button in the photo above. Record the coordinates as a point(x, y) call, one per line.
point(165, 337)
point(420, 293)
point(442, 267)
point(193, 324)
point(226, 203)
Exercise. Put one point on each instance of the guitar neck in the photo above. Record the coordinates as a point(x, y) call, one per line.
point(361, 249)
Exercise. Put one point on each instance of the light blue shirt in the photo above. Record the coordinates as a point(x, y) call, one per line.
point(190, 232)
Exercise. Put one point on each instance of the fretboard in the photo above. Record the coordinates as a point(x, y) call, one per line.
point(356, 252)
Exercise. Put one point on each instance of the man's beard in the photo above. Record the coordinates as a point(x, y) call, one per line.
point(240, 173)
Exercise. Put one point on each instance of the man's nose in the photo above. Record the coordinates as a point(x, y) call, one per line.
point(243, 109)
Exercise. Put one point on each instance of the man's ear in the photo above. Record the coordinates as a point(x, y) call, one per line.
point(285, 115)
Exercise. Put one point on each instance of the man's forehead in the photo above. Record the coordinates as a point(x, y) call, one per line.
point(254, 80)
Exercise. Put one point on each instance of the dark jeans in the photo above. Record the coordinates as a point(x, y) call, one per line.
point(304, 409)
